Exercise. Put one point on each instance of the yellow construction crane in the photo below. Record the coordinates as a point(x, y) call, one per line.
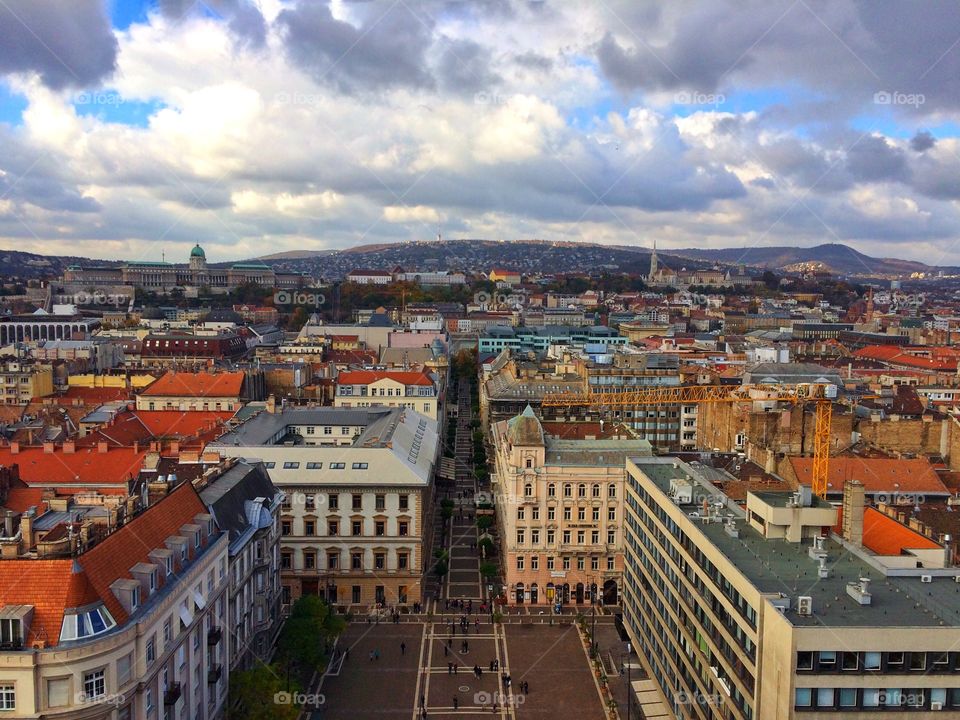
point(822, 394)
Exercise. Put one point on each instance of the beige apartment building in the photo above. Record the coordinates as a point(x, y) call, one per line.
point(131, 628)
point(559, 499)
point(762, 613)
point(358, 487)
point(21, 382)
point(387, 388)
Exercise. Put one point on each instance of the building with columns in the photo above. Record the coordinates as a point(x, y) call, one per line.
point(44, 326)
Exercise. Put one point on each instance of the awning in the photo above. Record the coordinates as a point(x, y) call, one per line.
point(198, 598)
point(185, 617)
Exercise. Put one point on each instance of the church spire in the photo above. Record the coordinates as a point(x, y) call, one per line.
point(653, 261)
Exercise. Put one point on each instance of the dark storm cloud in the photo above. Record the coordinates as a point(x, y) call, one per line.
point(534, 61)
point(31, 176)
point(922, 141)
point(242, 16)
point(464, 67)
point(69, 44)
point(873, 159)
point(387, 49)
point(850, 50)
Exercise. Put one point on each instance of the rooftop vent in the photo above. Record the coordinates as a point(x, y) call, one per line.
point(860, 591)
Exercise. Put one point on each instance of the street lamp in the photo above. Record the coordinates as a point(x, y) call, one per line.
point(629, 685)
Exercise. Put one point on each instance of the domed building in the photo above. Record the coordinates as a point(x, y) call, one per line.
point(195, 274)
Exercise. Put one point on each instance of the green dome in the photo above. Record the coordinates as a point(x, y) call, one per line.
point(197, 251)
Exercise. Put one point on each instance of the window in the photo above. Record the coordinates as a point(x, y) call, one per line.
point(8, 697)
point(580, 563)
point(567, 513)
point(520, 513)
point(828, 659)
point(825, 697)
point(151, 649)
point(551, 536)
point(595, 491)
point(333, 560)
point(520, 562)
point(595, 537)
point(148, 700)
point(611, 513)
point(535, 537)
point(333, 501)
point(355, 594)
point(851, 661)
point(314, 466)
point(611, 537)
point(380, 502)
point(270, 465)
point(357, 502)
point(804, 660)
point(895, 659)
point(567, 490)
point(521, 537)
point(402, 561)
point(848, 697)
point(402, 528)
point(535, 563)
point(581, 514)
point(803, 697)
point(551, 490)
point(611, 491)
point(359, 466)
point(529, 462)
point(549, 563)
point(551, 513)
point(594, 563)
point(596, 514)
point(285, 527)
point(286, 561)
point(356, 527)
point(379, 528)
point(94, 684)
point(871, 660)
point(581, 490)
point(290, 465)
point(536, 513)
point(581, 537)
point(918, 661)
point(310, 527)
point(333, 527)
point(566, 563)
point(166, 633)
point(403, 502)
point(337, 466)
point(379, 560)
point(356, 561)
point(309, 560)
point(610, 562)
point(528, 490)
point(566, 537)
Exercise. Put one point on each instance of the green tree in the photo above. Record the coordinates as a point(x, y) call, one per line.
point(484, 522)
point(488, 570)
point(307, 634)
point(258, 694)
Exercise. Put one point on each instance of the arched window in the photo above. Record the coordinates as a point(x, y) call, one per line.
point(551, 490)
point(612, 490)
point(595, 491)
point(582, 490)
point(528, 490)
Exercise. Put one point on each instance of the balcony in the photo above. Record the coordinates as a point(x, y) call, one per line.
point(214, 635)
point(214, 673)
point(171, 694)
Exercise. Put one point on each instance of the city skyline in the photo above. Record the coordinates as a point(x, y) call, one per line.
point(134, 128)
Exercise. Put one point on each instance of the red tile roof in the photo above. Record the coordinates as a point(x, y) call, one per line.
point(113, 558)
point(886, 536)
point(202, 384)
point(86, 466)
point(941, 358)
point(877, 474)
point(94, 396)
point(54, 586)
point(365, 377)
point(21, 498)
point(143, 426)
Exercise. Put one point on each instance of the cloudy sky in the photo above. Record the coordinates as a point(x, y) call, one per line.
point(129, 129)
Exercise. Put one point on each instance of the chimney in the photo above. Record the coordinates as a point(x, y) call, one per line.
point(101, 447)
point(26, 529)
point(136, 446)
point(854, 496)
point(48, 446)
point(175, 447)
point(14, 448)
point(69, 447)
point(271, 404)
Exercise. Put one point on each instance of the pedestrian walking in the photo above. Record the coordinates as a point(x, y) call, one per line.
point(403, 648)
point(449, 668)
point(376, 653)
point(492, 668)
point(456, 702)
point(423, 701)
point(455, 668)
point(445, 651)
point(476, 624)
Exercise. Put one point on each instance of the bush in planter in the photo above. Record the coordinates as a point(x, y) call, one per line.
point(486, 547)
point(484, 522)
point(488, 570)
